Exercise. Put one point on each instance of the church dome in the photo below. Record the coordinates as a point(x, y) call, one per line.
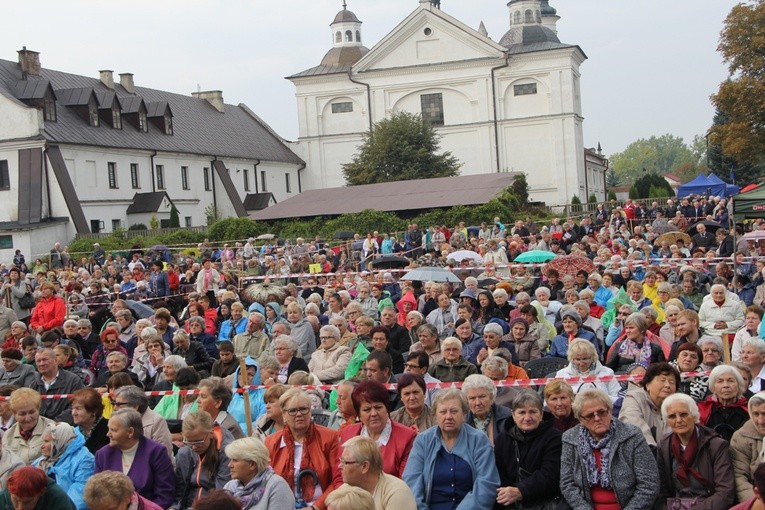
point(527, 35)
point(547, 10)
point(346, 55)
point(346, 16)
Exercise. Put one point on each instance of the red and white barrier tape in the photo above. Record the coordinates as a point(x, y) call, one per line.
point(517, 383)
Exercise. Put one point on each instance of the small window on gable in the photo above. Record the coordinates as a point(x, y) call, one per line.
point(358, 36)
point(116, 117)
point(525, 89)
point(246, 177)
point(348, 36)
point(93, 115)
point(433, 108)
point(345, 107)
point(529, 16)
point(5, 177)
point(338, 37)
point(49, 107)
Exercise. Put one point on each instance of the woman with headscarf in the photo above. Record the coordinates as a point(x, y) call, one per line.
point(273, 315)
point(66, 459)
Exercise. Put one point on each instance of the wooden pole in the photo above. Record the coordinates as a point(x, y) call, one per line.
point(243, 382)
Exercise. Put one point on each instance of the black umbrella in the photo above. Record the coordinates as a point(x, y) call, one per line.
point(344, 234)
point(711, 226)
point(389, 262)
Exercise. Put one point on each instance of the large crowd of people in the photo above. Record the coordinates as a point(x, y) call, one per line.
point(272, 374)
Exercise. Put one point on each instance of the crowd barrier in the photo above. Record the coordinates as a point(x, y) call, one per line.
point(518, 383)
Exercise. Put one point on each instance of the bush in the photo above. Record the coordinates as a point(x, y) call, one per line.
point(520, 188)
point(233, 228)
point(593, 199)
point(611, 195)
point(154, 222)
point(575, 200)
point(365, 221)
point(137, 226)
point(175, 219)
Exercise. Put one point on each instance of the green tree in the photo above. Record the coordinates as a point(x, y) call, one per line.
point(592, 198)
point(741, 99)
point(721, 164)
point(611, 195)
point(651, 186)
point(612, 180)
point(658, 155)
point(576, 200)
point(397, 149)
point(154, 222)
point(175, 218)
point(520, 188)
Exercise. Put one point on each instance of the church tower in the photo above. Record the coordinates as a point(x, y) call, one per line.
point(346, 40)
point(549, 16)
point(527, 25)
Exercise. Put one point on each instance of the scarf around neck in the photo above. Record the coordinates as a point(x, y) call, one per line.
point(250, 495)
point(307, 486)
point(587, 446)
point(685, 458)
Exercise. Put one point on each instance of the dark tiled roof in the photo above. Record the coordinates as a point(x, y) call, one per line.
point(348, 55)
point(146, 202)
point(320, 70)
point(106, 99)
point(79, 96)
point(198, 127)
point(391, 196)
point(131, 104)
point(258, 201)
point(26, 89)
point(157, 109)
point(517, 49)
point(345, 15)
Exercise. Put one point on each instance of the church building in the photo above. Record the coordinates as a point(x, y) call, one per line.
point(512, 105)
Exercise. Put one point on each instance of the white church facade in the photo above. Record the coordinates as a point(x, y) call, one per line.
point(507, 106)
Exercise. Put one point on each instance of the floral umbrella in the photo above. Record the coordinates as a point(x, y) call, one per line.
point(570, 265)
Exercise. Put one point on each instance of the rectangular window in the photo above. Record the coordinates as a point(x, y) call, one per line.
point(143, 125)
point(185, 177)
point(6, 242)
point(525, 89)
point(116, 118)
point(134, 176)
point(263, 180)
point(116, 224)
point(187, 221)
point(246, 177)
point(160, 177)
point(287, 183)
point(5, 177)
point(342, 107)
point(432, 108)
point(112, 169)
point(206, 172)
point(49, 108)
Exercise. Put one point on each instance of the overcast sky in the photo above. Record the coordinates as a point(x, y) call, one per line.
point(652, 64)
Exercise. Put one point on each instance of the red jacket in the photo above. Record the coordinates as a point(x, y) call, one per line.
point(211, 315)
point(324, 454)
point(48, 313)
point(394, 454)
point(174, 281)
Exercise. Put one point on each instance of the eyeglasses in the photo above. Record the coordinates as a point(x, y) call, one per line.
point(118, 404)
point(293, 411)
point(192, 444)
point(411, 365)
point(599, 414)
point(623, 313)
point(326, 338)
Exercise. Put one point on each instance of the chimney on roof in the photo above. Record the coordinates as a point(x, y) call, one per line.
point(126, 80)
point(214, 97)
point(107, 78)
point(29, 61)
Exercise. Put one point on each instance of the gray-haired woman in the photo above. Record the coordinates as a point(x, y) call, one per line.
point(606, 463)
point(746, 447)
point(253, 482)
point(485, 415)
point(694, 461)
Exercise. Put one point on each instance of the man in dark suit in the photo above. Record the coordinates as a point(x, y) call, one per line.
point(725, 241)
point(703, 239)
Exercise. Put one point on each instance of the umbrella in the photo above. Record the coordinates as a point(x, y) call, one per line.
point(663, 229)
point(535, 256)
point(460, 255)
point(434, 274)
point(265, 237)
point(487, 282)
point(672, 237)
point(570, 264)
point(344, 234)
point(711, 226)
point(389, 262)
point(141, 309)
point(755, 235)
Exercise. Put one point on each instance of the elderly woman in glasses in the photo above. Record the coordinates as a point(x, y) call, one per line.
point(583, 362)
point(712, 352)
point(725, 410)
point(302, 447)
point(253, 482)
point(694, 461)
point(330, 360)
point(606, 463)
point(201, 464)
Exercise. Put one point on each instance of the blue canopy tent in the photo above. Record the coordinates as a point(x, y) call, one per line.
point(701, 185)
point(730, 189)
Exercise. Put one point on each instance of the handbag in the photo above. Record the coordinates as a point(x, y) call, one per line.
point(683, 503)
point(27, 301)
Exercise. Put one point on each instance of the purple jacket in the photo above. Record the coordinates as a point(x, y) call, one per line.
point(152, 472)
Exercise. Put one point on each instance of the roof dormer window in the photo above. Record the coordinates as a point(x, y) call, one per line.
point(93, 115)
point(49, 108)
point(116, 117)
point(168, 124)
point(143, 125)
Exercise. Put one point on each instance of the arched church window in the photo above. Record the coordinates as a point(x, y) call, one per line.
point(348, 36)
point(338, 37)
point(517, 18)
point(358, 36)
point(539, 17)
point(529, 16)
